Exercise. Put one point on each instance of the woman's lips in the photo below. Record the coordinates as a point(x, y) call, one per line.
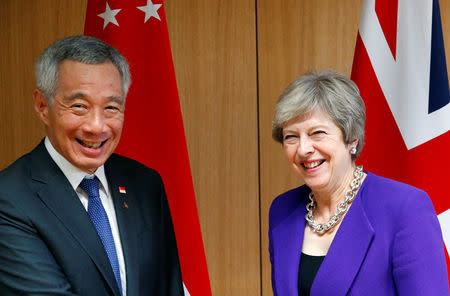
point(312, 164)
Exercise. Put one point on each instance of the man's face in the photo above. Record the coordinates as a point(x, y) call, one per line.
point(85, 121)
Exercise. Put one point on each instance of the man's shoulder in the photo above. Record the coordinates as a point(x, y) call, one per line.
point(16, 171)
point(16, 180)
point(128, 166)
point(22, 168)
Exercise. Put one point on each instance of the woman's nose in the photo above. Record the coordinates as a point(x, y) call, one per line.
point(305, 147)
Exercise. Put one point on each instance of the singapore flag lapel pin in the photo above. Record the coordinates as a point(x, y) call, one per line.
point(123, 191)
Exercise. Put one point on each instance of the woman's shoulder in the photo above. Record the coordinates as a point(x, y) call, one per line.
point(382, 185)
point(393, 207)
point(284, 204)
point(291, 197)
point(381, 192)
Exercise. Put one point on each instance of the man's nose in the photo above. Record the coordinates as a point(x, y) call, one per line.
point(95, 122)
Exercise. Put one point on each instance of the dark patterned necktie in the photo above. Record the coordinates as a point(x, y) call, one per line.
point(101, 223)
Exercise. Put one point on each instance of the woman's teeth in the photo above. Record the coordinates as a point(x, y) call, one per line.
point(311, 165)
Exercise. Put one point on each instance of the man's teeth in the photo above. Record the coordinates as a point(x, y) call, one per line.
point(93, 145)
point(311, 165)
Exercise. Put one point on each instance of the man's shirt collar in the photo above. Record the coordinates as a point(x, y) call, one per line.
point(72, 173)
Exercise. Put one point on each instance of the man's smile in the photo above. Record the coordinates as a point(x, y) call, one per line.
point(92, 145)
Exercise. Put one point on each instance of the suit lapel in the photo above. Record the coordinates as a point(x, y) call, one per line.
point(287, 240)
point(56, 193)
point(127, 213)
point(346, 253)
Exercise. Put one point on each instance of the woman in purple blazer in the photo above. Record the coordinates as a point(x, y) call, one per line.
point(346, 231)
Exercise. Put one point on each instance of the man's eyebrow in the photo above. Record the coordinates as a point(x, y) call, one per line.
point(74, 96)
point(78, 95)
point(116, 99)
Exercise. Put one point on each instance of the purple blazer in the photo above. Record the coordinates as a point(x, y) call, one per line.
point(389, 243)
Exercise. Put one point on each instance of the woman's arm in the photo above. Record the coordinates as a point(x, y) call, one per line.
point(418, 257)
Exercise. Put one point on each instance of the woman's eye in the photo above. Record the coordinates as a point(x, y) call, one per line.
point(319, 132)
point(289, 138)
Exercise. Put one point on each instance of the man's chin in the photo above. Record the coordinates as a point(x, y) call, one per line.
point(90, 166)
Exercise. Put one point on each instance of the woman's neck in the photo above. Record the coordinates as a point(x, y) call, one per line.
point(328, 198)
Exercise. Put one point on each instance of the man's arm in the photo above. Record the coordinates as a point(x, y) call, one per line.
point(173, 272)
point(27, 267)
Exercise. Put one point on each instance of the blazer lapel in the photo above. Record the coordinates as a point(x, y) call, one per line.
point(287, 247)
point(56, 193)
point(346, 253)
point(127, 213)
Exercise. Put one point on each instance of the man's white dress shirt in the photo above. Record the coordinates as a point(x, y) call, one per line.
point(75, 176)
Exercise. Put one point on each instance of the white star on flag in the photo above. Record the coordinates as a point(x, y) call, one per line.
point(150, 10)
point(109, 16)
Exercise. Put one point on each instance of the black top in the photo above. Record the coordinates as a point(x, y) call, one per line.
point(309, 265)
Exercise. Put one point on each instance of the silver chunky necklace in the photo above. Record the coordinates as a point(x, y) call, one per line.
point(342, 207)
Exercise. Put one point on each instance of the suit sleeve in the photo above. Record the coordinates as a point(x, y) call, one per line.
point(419, 266)
point(174, 284)
point(27, 267)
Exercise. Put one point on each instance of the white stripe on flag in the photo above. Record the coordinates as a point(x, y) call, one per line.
point(444, 220)
point(186, 292)
point(405, 79)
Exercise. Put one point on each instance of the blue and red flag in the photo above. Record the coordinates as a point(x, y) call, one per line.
point(153, 131)
point(400, 69)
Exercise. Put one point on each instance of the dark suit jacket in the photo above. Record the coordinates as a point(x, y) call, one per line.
point(48, 245)
point(388, 244)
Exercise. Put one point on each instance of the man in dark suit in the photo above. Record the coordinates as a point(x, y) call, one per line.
point(76, 219)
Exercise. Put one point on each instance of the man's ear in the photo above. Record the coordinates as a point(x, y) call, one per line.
point(41, 106)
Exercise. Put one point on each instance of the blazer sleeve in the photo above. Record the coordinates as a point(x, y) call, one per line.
point(174, 283)
point(272, 264)
point(419, 266)
point(275, 208)
point(27, 266)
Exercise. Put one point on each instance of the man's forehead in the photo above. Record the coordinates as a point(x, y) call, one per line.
point(76, 79)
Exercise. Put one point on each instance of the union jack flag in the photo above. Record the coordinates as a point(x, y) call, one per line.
point(401, 70)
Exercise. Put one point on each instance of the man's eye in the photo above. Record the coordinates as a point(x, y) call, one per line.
point(78, 106)
point(112, 108)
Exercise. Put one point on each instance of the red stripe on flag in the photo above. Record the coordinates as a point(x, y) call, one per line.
point(386, 11)
point(153, 131)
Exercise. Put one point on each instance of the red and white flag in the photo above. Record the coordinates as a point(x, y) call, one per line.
point(153, 131)
point(400, 69)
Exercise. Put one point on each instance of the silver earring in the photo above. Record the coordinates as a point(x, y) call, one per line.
point(353, 150)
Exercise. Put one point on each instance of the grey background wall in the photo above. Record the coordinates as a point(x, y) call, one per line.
point(232, 60)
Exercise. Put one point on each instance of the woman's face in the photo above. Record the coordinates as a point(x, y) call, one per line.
point(314, 146)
